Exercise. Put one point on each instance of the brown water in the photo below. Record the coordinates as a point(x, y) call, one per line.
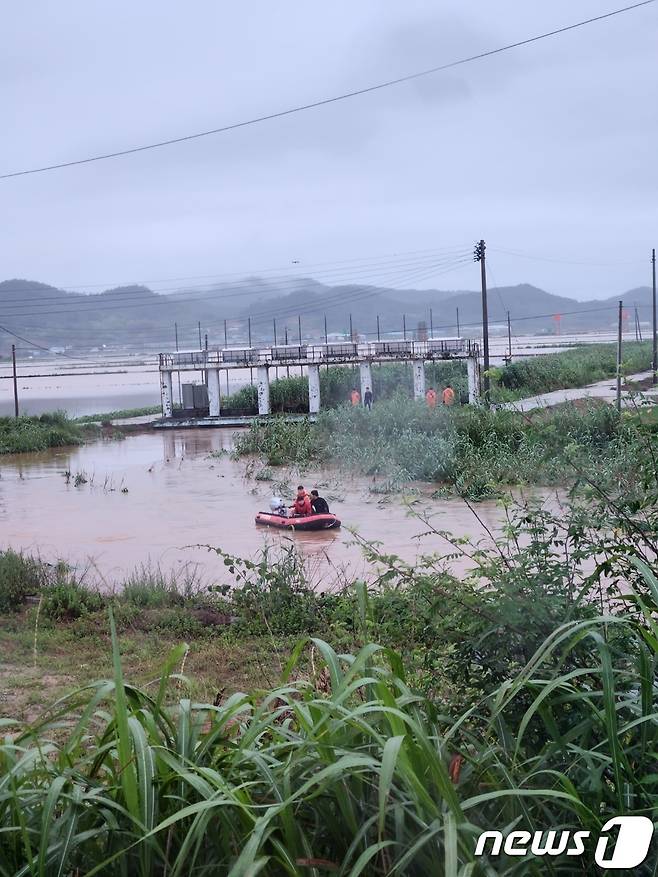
point(150, 496)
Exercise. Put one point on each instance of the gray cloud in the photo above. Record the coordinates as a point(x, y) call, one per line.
point(546, 150)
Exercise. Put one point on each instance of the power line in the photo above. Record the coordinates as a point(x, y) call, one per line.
point(330, 100)
point(247, 275)
point(327, 303)
point(245, 286)
point(535, 258)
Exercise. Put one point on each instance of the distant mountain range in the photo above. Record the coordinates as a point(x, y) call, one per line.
point(140, 319)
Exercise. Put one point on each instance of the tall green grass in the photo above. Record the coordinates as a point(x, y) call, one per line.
point(347, 770)
point(21, 434)
point(571, 368)
point(474, 450)
point(543, 716)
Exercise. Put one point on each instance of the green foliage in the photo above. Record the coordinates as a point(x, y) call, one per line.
point(21, 434)
point(290, 394)
point(522, 695)
point(68, 600)
point(20, 577)
point(576, 367)
point(473, 449)
point(273, 596)
point(120, 414)
point(150, 587)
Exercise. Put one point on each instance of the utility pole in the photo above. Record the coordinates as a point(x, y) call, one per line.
point(276, 369)
point(13, 363)
point(654, 357)
point(326, 338)
point(286, 343)
point(479, 256)
point(206, 348)
point(619, 336)
point(638, 327)
point(431, 324)
point(225, 346)
point(458, 333)
point(200, 344)
point(251, 371)
point(404, 326)
point(379, 337)
point(509, 338)
point(180, 395)
point(351, 329)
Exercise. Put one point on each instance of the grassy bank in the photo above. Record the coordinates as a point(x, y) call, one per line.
point(20, 434)
point(470, 449)
point(530, 705)
point(571, 368)
point(121, 414)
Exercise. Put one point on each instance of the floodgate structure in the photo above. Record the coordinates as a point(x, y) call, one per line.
point(201, 403)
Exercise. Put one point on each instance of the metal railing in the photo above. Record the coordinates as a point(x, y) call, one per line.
point(333, 352)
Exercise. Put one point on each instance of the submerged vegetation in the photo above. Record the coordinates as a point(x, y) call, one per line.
point(474, 450)
point(407, 718)
point(20, 434)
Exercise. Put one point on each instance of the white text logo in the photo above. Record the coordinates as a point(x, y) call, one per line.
point(629, 851)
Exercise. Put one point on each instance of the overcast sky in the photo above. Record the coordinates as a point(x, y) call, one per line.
point(548, 150)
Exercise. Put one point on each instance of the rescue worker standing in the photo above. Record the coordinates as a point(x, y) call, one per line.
point(430, 398)
point(355, 397)
point(448, 396)
point(367, 398)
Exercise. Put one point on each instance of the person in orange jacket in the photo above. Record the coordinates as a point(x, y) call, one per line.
point(430, 398)
point(302, 504)
point(355, 397)
point(448, 396)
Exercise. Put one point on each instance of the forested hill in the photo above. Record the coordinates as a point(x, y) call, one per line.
point(138, 317)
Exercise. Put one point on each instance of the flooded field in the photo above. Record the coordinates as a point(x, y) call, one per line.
point(89, 385)
point(109, 507)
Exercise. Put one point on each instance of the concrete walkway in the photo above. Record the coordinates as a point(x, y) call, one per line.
point(604, 390)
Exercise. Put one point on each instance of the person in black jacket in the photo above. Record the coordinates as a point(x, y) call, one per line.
point(319, 504)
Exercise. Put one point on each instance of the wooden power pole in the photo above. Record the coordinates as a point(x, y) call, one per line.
point(619, 337)
point(654, 356)
point(479, 256)
point(13, 363)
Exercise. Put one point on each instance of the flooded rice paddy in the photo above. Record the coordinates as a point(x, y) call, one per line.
point(112, 506)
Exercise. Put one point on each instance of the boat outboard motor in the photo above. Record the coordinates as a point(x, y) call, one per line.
point(278, 506)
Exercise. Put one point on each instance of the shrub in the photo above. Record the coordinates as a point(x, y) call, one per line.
point(20, 577)
point(66, 601)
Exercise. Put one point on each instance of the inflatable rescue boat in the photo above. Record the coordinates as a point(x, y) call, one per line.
point(302, 522)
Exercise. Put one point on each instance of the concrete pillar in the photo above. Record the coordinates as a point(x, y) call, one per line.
point(419, 379)
point(263, 389)
point(366, 377)
point(213, 392)
point(166, 393)
point(473, 369)
point(313, 389)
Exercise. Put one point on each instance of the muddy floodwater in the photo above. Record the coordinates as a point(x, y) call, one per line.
point(111, 506)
